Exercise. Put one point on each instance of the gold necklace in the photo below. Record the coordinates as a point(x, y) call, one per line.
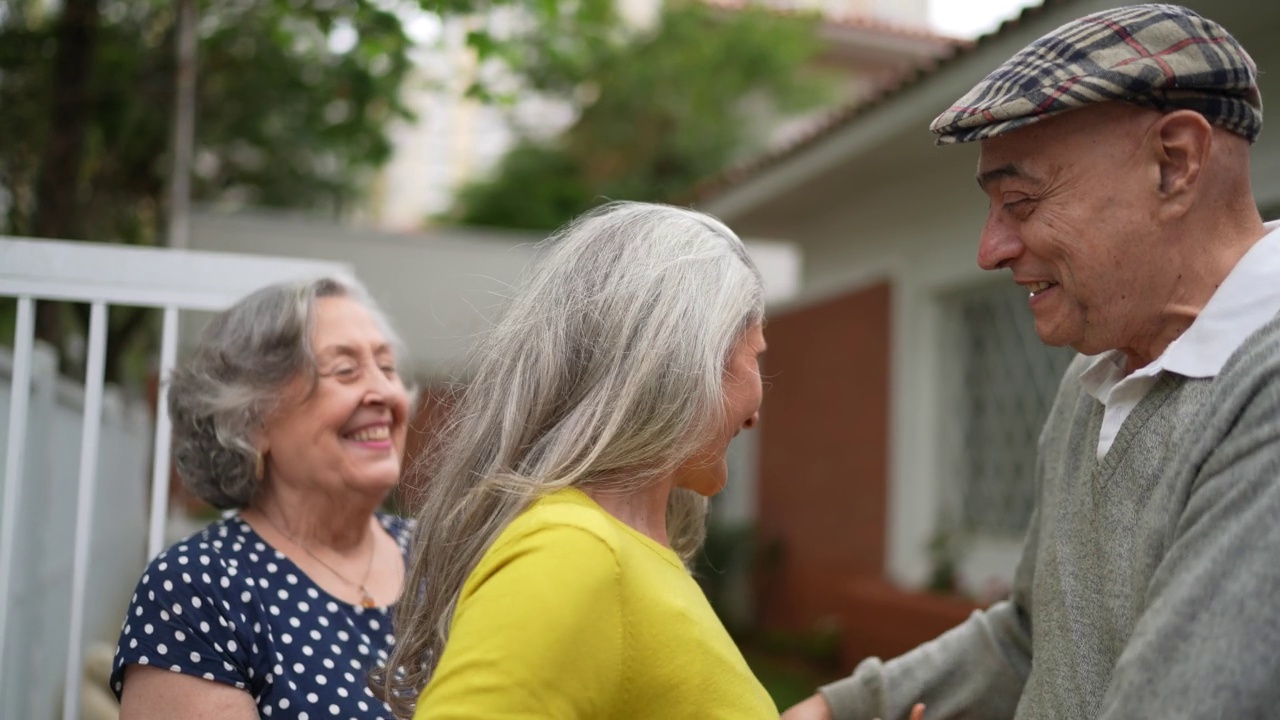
point(366, 599)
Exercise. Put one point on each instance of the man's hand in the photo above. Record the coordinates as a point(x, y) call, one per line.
point(816, 708)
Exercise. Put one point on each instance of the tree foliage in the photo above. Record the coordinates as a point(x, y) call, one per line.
point(293, 103)
point(659, 110)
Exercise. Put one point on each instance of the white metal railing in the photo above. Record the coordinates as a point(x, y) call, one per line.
point(103, 275)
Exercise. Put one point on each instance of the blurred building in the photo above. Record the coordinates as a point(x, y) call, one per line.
point(906, 386)
point(456, 138)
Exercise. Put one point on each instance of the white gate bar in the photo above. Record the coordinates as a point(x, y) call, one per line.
point(143, 276)
point(93, 382)
point(19, 399)
point(164, 434)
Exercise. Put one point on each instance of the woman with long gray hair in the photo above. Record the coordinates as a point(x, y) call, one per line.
point(548, 577)
point(291, 412)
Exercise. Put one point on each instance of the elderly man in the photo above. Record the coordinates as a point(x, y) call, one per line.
point(1114, 154)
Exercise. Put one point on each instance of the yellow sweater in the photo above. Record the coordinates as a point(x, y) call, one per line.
point(571, 614)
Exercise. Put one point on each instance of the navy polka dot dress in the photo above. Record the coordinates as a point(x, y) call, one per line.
point(225, 606)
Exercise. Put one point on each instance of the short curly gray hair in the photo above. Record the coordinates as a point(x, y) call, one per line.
point(221, 395)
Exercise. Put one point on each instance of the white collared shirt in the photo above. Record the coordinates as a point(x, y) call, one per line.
point(1248, 298)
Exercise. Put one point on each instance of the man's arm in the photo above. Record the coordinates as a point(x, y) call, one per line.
point(975, 670)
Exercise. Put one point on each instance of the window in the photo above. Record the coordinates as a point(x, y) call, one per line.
point(999, 384)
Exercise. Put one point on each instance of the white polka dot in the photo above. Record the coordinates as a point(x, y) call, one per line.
point(283, 594)
point(231, 646)
point(175, 668)
point(293, 579)
point(295, 622)
point(303, 716)
point(364, 649)
point(328, 663)
point(333, 710)
point(343, 636)
point(320, 680)
point(313, 698)
point(209, 676)
point(204, 627)
point(205, 577)
point(303, 606)
point(315, 635)
point(183, 560)
point(286, 638)
point(390, 639)
point(324, 621)
point(138, 611)
point(204, 559)
point(164, 615)
point(311, 593)
point(179, 635)
point(306, 650)
point(228, 667)
point(374, 624)
point(162, 649)
point(350, 678)
point(196, 602)
point(148, 629)
point(279, 670)
point(133, 643)
point(245, 596)
point(146, 578)
point(342, 692)
point(332, 607)
point(177, 609)
point(363, 707)
point(143, 660)
point(162, 566)
point(225, 581)
point(275, 610)
point(262, 582)
point(284, 703)
point(299, 668)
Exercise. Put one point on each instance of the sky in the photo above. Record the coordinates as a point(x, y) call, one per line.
point(970, 18)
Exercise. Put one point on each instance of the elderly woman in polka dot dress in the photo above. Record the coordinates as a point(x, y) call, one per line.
point(291, 413)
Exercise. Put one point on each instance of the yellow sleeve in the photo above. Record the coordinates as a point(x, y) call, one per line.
point(537, 634)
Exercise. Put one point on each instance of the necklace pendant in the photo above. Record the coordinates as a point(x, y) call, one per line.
point(367, 601)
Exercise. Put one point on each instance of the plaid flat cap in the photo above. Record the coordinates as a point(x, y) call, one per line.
point(1164, 57)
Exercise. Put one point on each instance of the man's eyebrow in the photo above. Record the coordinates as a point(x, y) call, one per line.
point(999, 173)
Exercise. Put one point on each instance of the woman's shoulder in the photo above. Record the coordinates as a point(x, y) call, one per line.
point(566, 514)
point(226, 542)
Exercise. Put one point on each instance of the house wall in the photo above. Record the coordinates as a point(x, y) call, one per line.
point(823, 456)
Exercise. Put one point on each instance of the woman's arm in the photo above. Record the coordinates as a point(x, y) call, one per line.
point(152, 693)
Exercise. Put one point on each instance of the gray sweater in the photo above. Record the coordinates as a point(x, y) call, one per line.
point(1149, 584)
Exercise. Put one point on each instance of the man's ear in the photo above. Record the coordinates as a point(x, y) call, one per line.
point(1181, 141)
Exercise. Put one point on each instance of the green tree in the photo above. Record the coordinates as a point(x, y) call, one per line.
point(665, 109)
point(293, 103)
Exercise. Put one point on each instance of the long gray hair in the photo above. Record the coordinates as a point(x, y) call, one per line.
point(606, 372)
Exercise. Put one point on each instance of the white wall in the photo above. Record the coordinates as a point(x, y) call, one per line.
point(36, 647)
point(440, 287)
